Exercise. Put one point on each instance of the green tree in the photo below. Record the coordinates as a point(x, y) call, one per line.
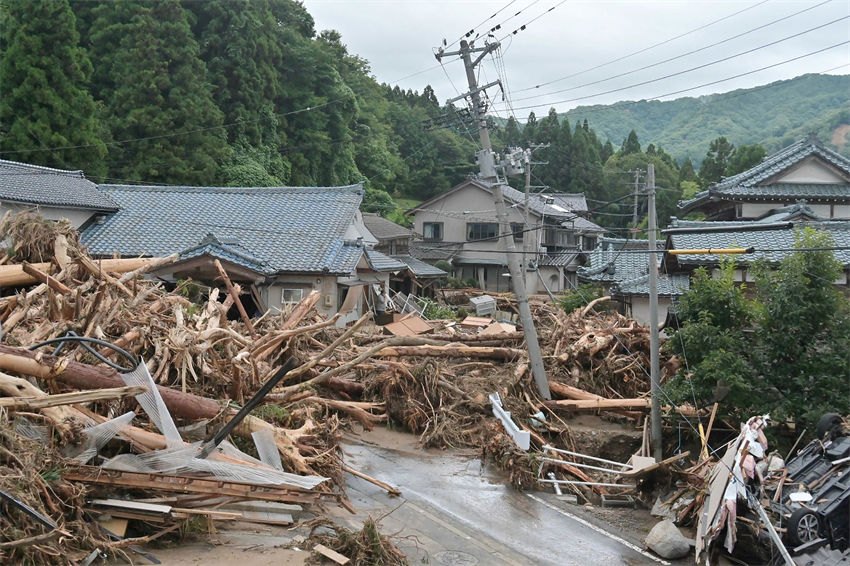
point(686, 171)
point(713, 316)
point(44, 81)
point(631, 144)
point(513, 137)
point(803, 331)
point(154, 83)
point(745, 157)
point(716, 161)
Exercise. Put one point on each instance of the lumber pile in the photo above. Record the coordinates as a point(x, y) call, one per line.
point(205, 358)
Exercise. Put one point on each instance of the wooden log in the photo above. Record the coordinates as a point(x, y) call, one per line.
point(449, 351)
point(13, 275)
point(48, 280)
point(603, 404)
point(62, 417)
point(98, 271)
point(69, 398)
point(84, 376)
point(152, 264)
point(393, 491)
point(235, 295)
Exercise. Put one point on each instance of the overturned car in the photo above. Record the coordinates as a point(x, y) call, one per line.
point(795, 513)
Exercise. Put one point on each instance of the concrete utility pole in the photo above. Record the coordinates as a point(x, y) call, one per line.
point(654, 370)
point(487, 166)
point(636, 191)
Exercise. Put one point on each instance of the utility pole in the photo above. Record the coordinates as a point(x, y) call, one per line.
point(636, 191)
point(526, 241)
point(654, 368)
point(487, 166)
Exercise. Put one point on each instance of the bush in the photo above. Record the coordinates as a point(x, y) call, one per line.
point(579, 298)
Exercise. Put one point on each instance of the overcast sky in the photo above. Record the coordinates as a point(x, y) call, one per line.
point(602, 42)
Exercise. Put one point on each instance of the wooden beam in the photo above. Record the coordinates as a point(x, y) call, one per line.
point(70, 398)
point(185, 484)
point(43, 277)
point(235, 295)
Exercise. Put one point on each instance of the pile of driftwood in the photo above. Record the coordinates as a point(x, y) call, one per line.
point(205, 365)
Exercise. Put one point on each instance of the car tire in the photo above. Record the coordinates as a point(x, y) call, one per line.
point(803, 527)
point(827, 423)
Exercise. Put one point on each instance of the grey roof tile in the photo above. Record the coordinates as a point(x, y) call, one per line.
point(617, 259)
point(562, 259)
point(771, 244)
point(751, 185)
point(36, 185)
point(668, 285)
point(420, 268)
point(384, 229)
point(382, 262)
point(288, 229)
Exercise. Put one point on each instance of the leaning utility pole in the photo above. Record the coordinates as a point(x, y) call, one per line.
point(487, 166)
point(654, 369)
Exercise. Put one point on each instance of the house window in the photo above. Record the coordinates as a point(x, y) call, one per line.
point(289, 296)
point(433, 231)
point(481, 231)
point(518, 230)
point(589, 242)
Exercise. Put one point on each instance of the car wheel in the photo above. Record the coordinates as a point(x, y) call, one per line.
point(827, 423)
point(803, 527)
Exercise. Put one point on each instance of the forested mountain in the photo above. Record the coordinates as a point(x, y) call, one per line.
point(247, 92)
point(236, 92)
point(772, 115)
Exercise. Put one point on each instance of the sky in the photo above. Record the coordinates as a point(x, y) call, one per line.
point(579, 51)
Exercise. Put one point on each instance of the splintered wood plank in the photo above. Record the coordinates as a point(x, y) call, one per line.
point(332, 554)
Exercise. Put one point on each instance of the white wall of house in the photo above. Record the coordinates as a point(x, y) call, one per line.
point(471, 205)
point(283, 293)
point(638, 308)
point(811, 171)
point(76, 216)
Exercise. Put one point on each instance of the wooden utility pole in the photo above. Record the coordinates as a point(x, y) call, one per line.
point(487, 166)
point(654, 369)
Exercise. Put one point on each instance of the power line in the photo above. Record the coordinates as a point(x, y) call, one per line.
point(685, 71)
point(528, 23)
point(470, 32)
point(692, 52)
point(786, 61)
point(645, 49)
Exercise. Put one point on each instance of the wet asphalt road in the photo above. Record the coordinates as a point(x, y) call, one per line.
point(454, 513)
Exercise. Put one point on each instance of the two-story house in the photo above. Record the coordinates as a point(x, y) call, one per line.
point(461, 227)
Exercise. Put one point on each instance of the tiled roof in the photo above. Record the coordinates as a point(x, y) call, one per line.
point(616, 259)
point(420, 268)
point(668, 285)
point(790, 190)
point(210, 246)
point(571, 201)
point(563, 259)
point(434, 251)
point(751, 183)
point(384, 229)
point(381, 262)
point(284, 229)
point(792, 212)
point(771, 242)
point(32, 184)
point(782, 160)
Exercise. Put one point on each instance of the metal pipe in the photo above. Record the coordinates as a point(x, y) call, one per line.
point(588, 466)
point(568, 453)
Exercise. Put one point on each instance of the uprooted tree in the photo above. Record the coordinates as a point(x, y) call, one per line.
point(782, 351)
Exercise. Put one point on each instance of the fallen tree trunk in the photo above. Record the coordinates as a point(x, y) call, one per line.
point(605, 404)
point(13, 275)
point(70, 398)
point(84, 376)
point(506, 354)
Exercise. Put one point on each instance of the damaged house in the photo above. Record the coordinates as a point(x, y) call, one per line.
point(460, 226)
point(278, 243)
